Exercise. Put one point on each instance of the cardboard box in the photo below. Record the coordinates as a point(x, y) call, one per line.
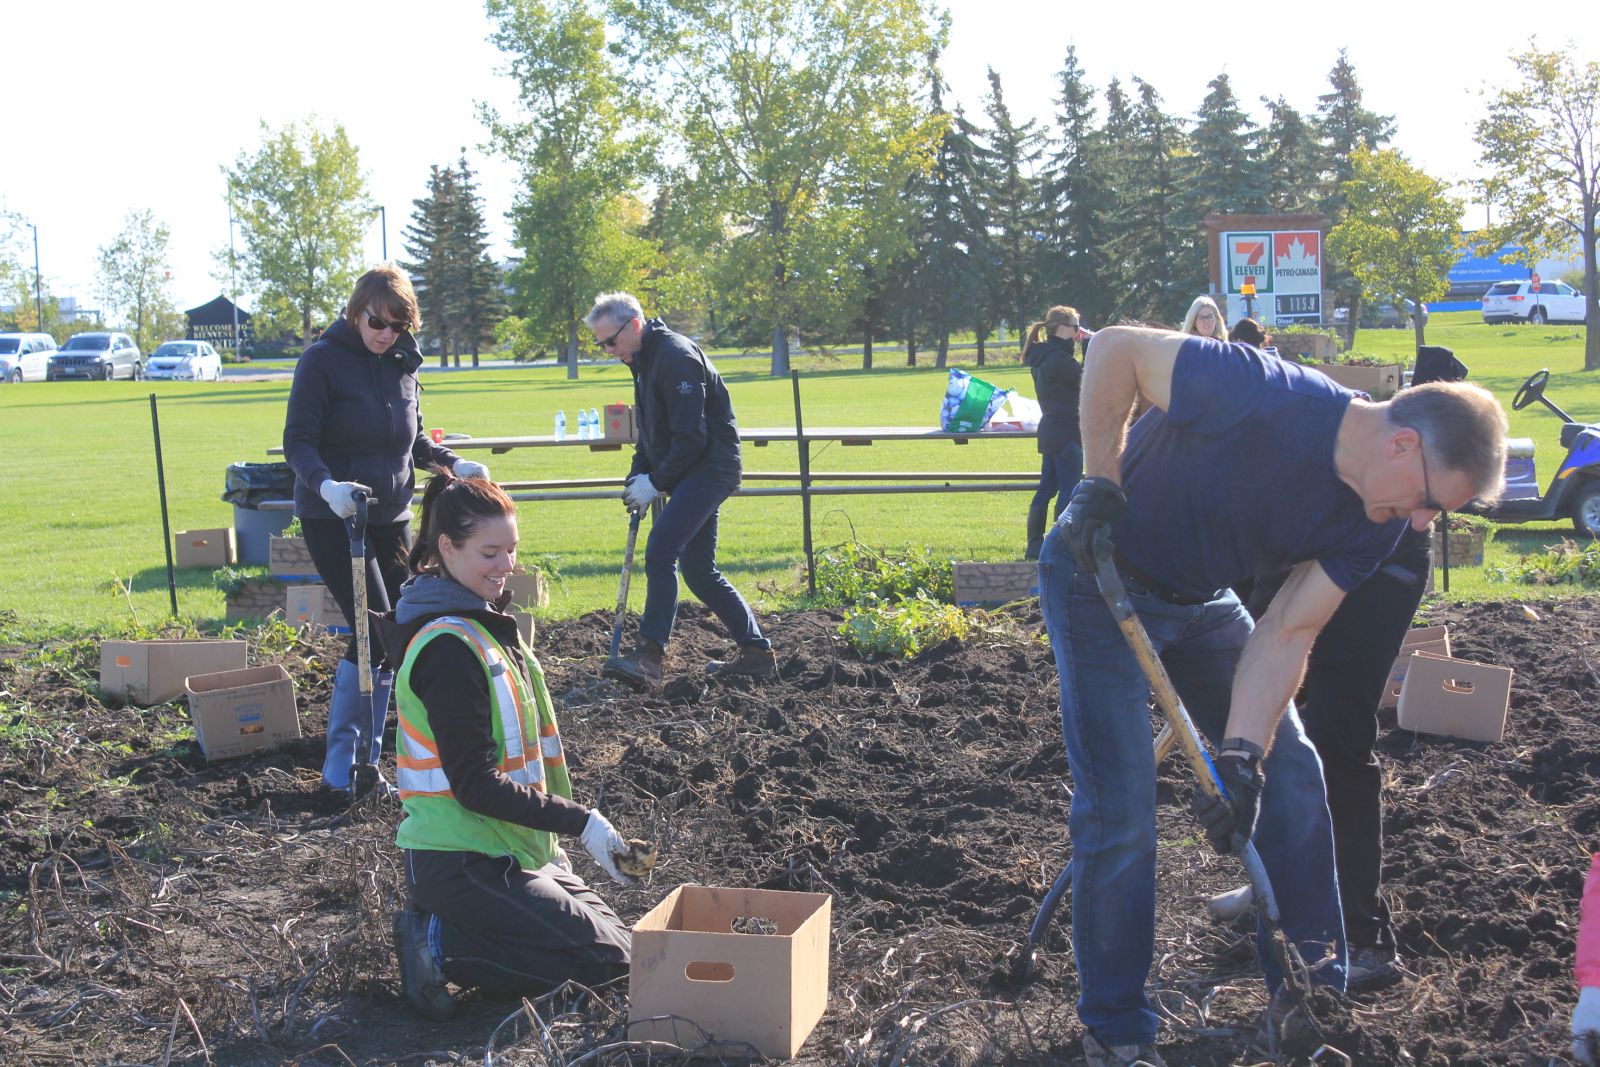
point(1431, 639)
point(994, 583)
point(205, 548)
point(1380, 383)
point(308, 603)
point(746, 965)
point(236, 713)
point(619, 423)
point(288, 560)
point(152, 672)
point(1455, 698)
point(529, 589)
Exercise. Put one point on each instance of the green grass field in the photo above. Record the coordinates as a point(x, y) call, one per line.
point(83, 540)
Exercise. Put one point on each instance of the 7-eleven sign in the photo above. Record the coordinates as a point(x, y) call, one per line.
point(1248, 255)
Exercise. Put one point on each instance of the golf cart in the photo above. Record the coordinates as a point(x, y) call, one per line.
point(1574, 491)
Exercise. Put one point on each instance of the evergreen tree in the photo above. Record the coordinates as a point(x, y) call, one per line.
point(1291, 159)
point(1226, 173)
point(476, 304)
point(1079, 199)
point(428, 241)
point(1010, 198)
point(1154, 238)
point(1343, 125)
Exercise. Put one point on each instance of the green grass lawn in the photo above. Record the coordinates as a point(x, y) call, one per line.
point(82, 521)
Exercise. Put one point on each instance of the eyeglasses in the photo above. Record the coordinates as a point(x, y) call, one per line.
point(611, 342)
point(1428, 503)
point(380, 325)
point(1204, 315)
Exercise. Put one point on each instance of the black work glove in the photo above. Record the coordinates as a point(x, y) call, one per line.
point(1096, 506)
point(1230, 820)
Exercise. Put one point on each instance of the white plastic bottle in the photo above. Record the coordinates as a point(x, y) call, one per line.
point(561, 426)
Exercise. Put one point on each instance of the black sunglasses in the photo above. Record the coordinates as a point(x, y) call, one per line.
point(379, 325)
point(611, 342)
point(1428, 503)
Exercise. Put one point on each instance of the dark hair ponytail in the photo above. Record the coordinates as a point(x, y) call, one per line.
point(453, 507)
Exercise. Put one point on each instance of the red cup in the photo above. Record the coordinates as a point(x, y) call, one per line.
point(437, 435)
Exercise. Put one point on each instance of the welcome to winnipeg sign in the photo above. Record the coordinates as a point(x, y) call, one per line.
point(1286, 266)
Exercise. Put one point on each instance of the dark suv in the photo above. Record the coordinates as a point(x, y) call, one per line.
point(99, 356)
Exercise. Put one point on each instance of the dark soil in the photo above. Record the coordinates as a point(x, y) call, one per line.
point(161, 909)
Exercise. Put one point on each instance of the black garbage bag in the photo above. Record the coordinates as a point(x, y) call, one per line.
point(1436, 363)
point(250, 483)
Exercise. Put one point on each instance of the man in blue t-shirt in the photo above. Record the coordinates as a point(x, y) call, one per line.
point(1247, 466)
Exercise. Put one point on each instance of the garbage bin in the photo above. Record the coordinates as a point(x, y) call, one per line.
point(262, 495)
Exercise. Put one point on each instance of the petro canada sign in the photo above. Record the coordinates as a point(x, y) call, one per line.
point(1286, 266)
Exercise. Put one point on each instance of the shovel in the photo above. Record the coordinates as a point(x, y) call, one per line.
point(622, 588)
point(364, 774)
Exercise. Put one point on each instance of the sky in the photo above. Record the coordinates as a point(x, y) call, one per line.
point(139, 106)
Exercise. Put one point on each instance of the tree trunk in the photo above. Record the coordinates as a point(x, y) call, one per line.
point(942, 358)
point(572, 350)
point(866, 352)
point(911, 350)
point(1416, 324)
point(981, 338)
point(1591, 281)
point(780, 351)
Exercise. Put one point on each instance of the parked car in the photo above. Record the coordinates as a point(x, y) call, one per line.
point(1515, 301)
point(184, 361)
point(1390, 316)
point(25, 357)
point(101, 356)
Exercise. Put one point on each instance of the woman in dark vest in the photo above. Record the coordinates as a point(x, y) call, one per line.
point(1049, 351)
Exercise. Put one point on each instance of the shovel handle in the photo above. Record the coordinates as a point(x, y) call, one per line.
point(622, 584)
point(356, 525)
point(1177, 716)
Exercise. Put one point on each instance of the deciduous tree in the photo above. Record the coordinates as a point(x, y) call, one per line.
point(1400, 230)
point(1539, 141)
point(135, 278)
point(302, 205)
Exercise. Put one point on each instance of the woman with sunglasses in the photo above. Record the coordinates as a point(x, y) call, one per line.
point(354, 424)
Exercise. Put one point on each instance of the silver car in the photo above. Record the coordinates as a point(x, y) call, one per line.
point(25, 356)
point(184, 361)
point(96, 356)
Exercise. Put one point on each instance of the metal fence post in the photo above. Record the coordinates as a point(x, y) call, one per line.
point(805, 483)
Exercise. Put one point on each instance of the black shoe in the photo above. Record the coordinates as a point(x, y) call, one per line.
point(420, 977)
point(1372, 967)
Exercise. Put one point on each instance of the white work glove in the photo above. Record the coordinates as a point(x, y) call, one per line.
point(341, 496)
point(1586, 1025)
point(562, 860)
point(640, 492)
point(605, 845)
point(466, 468)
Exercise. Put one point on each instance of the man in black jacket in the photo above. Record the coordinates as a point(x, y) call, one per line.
point(688, 451)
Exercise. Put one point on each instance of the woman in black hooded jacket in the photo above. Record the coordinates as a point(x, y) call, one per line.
point(354, 423)
point(1049, 351)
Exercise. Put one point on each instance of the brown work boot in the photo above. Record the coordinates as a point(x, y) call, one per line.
point(1098, 1055)
point(751, 661)
point(638, 668)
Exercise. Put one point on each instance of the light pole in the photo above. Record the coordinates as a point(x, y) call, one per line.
point(383, 228)
point(38, 304)
point(233, 284)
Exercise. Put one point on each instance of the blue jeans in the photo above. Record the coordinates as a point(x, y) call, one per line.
point(1108, 739)
point(1058, 473)
point(685, 535)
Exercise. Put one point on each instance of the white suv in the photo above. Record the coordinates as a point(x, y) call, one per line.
point(1514, 301)
point(24, 357)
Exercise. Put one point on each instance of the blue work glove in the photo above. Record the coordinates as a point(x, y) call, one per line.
point(1230, 820)
point(1096, 506)
point(467, 468)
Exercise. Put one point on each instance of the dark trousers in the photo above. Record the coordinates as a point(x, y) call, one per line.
point(1059, 472)
point(328, 541)
point(1338, 702)
point(684, 535)
point(516, 932)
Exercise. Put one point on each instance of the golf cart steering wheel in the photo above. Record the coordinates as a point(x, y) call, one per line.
point(1531, 392)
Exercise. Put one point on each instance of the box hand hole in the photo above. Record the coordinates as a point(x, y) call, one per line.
point(705, 971)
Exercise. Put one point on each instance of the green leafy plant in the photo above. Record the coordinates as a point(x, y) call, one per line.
point(1563, 564)
point(902, 627)
point(231, 579)
point(294, 529)
point(852, 574)
point(1460, 521)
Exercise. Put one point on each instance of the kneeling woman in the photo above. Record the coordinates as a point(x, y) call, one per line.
point(494, 903)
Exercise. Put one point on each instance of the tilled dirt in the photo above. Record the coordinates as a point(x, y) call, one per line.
point(161, 909)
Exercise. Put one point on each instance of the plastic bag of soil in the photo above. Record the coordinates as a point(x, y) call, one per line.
point(249, 484)
point(969, 403)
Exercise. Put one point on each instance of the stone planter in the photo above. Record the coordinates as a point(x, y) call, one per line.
point(288, 559)
point(1466, 547)
point(1315, 345)
point(256, 598)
